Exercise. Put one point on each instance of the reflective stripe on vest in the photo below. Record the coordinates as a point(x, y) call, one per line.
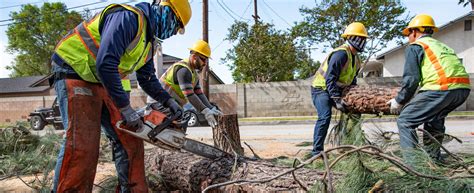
point(348, 72)
point(79, 48)
point(126, 84)
point(167, 81)
point(441, 69)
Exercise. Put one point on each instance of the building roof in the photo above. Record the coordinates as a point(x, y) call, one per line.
point(22, 84)
point(40, 83)
point(471, 13)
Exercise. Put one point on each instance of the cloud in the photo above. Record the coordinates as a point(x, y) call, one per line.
point(5, 60)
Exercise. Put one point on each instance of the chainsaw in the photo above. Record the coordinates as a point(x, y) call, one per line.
point(164, 130)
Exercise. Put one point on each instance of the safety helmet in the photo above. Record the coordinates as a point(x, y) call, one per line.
point(420, 21)
point(181, 9)
point(355, 29)
point(201, 47)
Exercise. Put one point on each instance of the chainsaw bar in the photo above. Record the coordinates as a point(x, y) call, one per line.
point(203, 149)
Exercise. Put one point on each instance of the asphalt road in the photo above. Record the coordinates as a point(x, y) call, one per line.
point(277, 140)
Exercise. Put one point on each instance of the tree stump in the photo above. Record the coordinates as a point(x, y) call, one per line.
point(369, 99)
point(183, 171)
point(226, 134)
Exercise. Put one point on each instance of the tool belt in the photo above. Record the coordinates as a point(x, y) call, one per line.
point(62, 75)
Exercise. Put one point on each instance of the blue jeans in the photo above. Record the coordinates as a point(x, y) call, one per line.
point(119, 154)
point(429, 108)
point(323, 103)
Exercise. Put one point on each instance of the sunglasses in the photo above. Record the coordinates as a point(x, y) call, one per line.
point(202, 58)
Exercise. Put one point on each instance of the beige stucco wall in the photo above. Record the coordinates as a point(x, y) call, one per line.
point(454, 36)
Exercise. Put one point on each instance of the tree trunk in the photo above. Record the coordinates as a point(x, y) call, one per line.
point(226, 134)
point(190, 173)
point(369, 99)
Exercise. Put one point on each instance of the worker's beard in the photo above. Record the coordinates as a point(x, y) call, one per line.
point(199, 66)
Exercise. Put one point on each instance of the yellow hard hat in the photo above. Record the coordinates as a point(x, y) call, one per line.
point(181, 9)
point(202, 47)
point(420, 21)
point(355, 29)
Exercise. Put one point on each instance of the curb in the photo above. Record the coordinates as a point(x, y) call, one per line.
point(306, 122)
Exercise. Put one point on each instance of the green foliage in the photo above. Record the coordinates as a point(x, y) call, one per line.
point(24, 154)
point(361, 171)
point(348, 131)
point(324, 23)
point(34, 34)
point(464, 2)
point(263, 54)
point(108, 184)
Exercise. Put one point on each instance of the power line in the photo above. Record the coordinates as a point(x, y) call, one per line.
point(225, 5)
point(217, 11)
point(245, 11)
point(19, 5)
point(228, 13)
point(130, 1)
point(271, 9)
point(85, 5)
point(79, 6)
point(218, 44)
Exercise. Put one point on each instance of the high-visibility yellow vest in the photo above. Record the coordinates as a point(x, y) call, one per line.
point(172, 87)
point(348, 71)
point(80, 47)
point(126, 84)
point(441, 69)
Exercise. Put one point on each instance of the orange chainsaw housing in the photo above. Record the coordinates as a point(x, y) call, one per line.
point(154, 117)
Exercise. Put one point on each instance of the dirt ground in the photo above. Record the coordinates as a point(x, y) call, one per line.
point(269, 141)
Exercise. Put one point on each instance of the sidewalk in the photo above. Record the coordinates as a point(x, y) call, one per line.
point(301, 120)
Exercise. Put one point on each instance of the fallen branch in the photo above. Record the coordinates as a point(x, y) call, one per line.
point(296, 178)
point(328, 171)
point(394, 160)
point(253, 152)
point(441, 145)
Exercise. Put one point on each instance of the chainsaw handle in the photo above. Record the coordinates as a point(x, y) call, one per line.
point(118, 125)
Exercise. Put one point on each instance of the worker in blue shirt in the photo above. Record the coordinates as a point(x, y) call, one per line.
point(338, 71)
point(88, 65)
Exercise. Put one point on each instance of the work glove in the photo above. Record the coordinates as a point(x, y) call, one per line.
point(131, 117)
point(339, 103)
point(216, 111)
point(209, 115)
point(394, 106)
point(174, 107)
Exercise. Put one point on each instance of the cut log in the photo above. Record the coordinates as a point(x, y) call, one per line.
point(226, 134)
point(190, 173)
point(369, 99)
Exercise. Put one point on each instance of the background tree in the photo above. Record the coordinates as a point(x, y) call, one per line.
point(263, 54)
point(464, 3)
point(324, 24)
point(34, 34)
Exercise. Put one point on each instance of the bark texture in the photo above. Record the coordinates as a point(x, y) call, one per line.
point(189, 173)
point(226, 134)
point(369, 99)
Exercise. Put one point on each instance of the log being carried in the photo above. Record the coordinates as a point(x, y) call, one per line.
point(368, 99)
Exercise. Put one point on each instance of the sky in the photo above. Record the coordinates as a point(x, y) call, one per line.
point(222, 13)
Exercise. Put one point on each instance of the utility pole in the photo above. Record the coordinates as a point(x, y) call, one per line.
point(255, 13)
point(205, 37)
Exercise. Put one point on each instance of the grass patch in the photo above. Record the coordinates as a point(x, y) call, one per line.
point(304, 144)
